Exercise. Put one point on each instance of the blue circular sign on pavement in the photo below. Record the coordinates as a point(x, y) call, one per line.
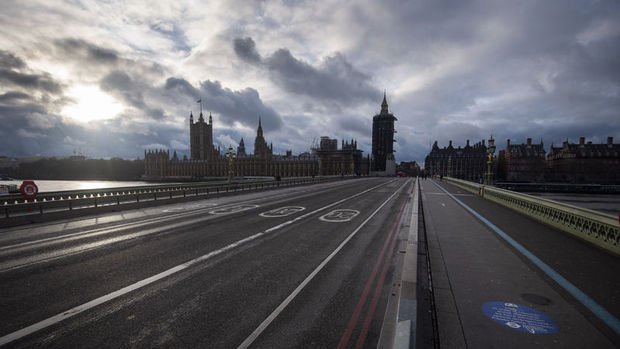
point(520, 318)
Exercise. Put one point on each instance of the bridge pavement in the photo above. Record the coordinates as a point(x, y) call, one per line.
point(492, 293)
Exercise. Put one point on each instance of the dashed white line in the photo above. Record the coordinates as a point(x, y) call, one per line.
point(257, 332)
point(103, 299)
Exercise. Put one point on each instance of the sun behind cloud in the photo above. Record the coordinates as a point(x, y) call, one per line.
point(91, 104)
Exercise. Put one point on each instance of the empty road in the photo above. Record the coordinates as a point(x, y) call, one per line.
point(298, 267)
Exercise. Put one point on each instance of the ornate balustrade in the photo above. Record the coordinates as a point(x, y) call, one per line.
point(598, 228)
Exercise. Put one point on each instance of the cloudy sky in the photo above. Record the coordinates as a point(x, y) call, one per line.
point(112, 78)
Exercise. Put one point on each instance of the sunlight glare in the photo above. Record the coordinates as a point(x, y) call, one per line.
point(91, 104)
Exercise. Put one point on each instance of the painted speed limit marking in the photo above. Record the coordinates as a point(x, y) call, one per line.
point(282, 211)
point(233, 209)
point(339, 216)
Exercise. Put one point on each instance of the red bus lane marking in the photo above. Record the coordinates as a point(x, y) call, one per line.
point(361, 340)
point(346, 336)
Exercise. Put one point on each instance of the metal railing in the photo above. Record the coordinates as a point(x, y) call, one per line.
point(81, 193)
point(595, 227)
point(73, 200)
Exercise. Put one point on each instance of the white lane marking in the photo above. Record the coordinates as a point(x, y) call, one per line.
point(22, 246)
point(189, 207)
point(89, 305)
point(84, 247)
point(339, 216)
point(233, 209)
point(149, 220)
point(282, 211)
point(257, 332)
point(443, 194)
point(53, 255)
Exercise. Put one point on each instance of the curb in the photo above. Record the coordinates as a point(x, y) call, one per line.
point(399, 325)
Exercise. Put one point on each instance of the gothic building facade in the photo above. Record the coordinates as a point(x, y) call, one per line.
point(522, 162)
point(208, 161)
point(383, 141)
point(578, 163)
point(584, 162)
point(334, 161)
point(464, 163)
point(201, 138)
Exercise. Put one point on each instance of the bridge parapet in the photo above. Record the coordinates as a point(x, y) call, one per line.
point(595, 227)
point(131, 197)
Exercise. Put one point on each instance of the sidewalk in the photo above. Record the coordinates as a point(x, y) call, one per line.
point(486, 296)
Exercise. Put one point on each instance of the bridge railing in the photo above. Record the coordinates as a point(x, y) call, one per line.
point(118, 196)
point(58, 195)
point(595, 227)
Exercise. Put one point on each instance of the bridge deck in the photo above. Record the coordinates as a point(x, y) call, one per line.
point(489, 293)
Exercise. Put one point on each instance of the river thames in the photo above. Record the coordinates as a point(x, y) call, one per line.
point(61, 185)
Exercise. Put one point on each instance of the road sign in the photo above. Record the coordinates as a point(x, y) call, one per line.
point(28, 189)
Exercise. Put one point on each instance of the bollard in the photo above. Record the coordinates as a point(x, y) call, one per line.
point(40, 209)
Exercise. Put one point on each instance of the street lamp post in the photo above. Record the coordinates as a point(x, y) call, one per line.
point(230, 156)
point(490, 153)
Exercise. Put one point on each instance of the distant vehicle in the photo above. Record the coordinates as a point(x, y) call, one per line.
point(5, 177)
point(401, 174)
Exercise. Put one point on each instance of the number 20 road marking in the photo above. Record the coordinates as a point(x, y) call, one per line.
point(282, 211)
point(338, 216)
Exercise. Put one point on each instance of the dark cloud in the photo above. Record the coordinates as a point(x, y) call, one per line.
point(14, 71)
point(172, 32)
point(17, 116)
point(453, 70)
point(244, 106)
point(29, 129)
point(30, 81)
point(121, 85)
point(334, 80)
point(13, 96)
point(359, 126)
point(245, 48)
point(8, 60)
point(91, 52)
point(24, 106)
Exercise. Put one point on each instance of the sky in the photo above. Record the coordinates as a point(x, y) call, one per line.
point(113, 78)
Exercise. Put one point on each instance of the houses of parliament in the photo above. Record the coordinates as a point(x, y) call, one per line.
point(325, 160)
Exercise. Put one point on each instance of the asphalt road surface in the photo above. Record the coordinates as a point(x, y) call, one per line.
point(297, 267)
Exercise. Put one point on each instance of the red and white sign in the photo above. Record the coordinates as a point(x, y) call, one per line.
point(28, 189)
